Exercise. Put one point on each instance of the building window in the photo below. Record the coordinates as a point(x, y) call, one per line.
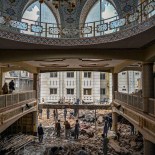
point(87, 74)
point(53, 74)
point(136, 73)
point(70, 91)
point(102, 76)
point(102, 91)
point(70, 74)
point(53, 90)
point(123, 73)
point(123, 89)
point(87, 92)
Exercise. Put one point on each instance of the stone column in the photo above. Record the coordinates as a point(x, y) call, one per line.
point(35, 123)
point(35, 84)
point(1, 80)
point(114, 84)
point(147, 84)
point(95, 122)
point(35, 113)
point(114, 88)
point(114, 121)
point(149, 148)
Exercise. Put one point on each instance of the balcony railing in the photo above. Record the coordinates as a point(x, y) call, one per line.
point(129, 99)
point(15, 98)
point(140, 14)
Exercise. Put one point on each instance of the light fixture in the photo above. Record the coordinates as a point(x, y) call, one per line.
point(71, 4)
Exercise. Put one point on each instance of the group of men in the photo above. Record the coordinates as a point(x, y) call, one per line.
point(58, 130)
point(11, 87)
point(67, 129)
point(76, 129)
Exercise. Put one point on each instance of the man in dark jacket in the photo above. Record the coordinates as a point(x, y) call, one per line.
point(58, 128)
point(11, 86)
point(40, 133)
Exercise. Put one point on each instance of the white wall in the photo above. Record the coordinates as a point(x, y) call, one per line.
point(78, 83)
point(128, 81)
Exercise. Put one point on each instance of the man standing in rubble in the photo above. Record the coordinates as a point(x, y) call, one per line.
point(58, 128)
point(76, 130)
point(40, 133)
point(105, 129)
point(105, 141)
point(67, 129)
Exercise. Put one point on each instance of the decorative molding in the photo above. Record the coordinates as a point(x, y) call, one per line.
point(120, 35)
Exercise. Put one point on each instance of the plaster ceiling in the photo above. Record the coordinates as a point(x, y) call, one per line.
point(74, 64)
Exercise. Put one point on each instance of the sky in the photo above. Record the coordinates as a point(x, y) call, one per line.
point(33, 12)
point(107, 11)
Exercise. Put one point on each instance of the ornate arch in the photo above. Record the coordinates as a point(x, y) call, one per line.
point(49, 4)
point(122, 7)
point(90, 3)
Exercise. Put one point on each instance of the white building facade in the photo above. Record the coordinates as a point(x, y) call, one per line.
point(89, 87)
point(129, 81)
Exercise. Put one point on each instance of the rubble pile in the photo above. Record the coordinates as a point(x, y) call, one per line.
point(90, 137)
point(93, 146)
point(128, 143)
point(13, 143)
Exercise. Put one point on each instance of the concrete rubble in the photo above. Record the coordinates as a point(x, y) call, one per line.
point(89, 138)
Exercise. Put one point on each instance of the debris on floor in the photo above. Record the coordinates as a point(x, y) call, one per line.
point(90, 138)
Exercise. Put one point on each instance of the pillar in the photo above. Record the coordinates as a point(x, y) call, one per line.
point(147, 84)
point(35, 123)
point(115, 84)
point(149, 148)
point(35, 84)
point(95, 122)
point(114, 88)
point(114, 121)
point(1, 80)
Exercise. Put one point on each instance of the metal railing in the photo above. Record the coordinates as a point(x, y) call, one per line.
point(15, 98)
point(129, 99)
point(139, 14)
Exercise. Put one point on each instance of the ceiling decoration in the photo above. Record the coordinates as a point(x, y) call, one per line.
point(71, 4)
point(135, 65)
point(50, 60)
point(93, 65)
point(95, 60)
point(53, 65)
